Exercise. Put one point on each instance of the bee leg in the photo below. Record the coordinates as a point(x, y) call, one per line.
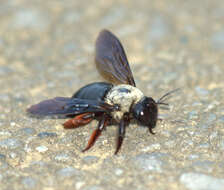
point(97, 132)
point(151, 131)
point(121, 131)
point(79, 120)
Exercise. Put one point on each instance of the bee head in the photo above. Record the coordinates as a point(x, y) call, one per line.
point(146, 112)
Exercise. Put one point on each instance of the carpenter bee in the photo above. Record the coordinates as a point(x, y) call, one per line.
point(117, 101)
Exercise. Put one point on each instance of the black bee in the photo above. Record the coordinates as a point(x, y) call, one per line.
point(116, 102)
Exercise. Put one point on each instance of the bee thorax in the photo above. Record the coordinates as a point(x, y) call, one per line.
point(125, 96)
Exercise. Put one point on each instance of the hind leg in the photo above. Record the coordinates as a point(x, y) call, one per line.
point(79, 120)
point(97, 132)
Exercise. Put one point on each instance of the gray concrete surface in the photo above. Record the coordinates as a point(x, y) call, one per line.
point(46, 50)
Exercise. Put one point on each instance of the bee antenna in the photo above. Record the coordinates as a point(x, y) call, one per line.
point(164, 97)
point(163, 103)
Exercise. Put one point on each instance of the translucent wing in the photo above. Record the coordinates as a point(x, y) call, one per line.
point(68, 106)
point(111, 60)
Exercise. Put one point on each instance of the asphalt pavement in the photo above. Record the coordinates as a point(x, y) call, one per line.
point(47, 50)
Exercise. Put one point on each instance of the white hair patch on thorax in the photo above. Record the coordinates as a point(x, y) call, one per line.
point(125, 96)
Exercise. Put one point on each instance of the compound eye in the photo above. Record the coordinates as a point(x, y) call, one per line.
point(145, 115)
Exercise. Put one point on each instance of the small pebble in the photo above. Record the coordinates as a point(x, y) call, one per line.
point(2, 157)
point(211, 118)
point(213, 136)
point(198, 181)
point(28, 18)
point(90, 159)
point(201, 91)
point(150, 162)
point(221, 119)
point(193, 115)
point(221, 145)
point(203, 145)
point(158, 29)
point(203, 166)
point(4, 165)
point(46, 134)
point(10, 143)
point(5, 71)
point(119, 171)
point(170, 143)
point(94, 187)
point(27, 131)
point(152, 147)
point(217, 40)
point(39, 164)
point(41, 148)
point(12, 124)
point(79, 184)
point(13, 155)
point(204, 127)
point(68, 172)
point(5, 133)
point(62, 157)
point(29, 182)
point(193, 156)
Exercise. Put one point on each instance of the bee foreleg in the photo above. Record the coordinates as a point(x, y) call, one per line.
point(151, 131)
point(121, 131)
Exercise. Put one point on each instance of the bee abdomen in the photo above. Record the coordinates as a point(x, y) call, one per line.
point(93, 91)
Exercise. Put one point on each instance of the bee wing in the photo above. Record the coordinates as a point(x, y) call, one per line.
point(111, 60)
point(68, 106)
